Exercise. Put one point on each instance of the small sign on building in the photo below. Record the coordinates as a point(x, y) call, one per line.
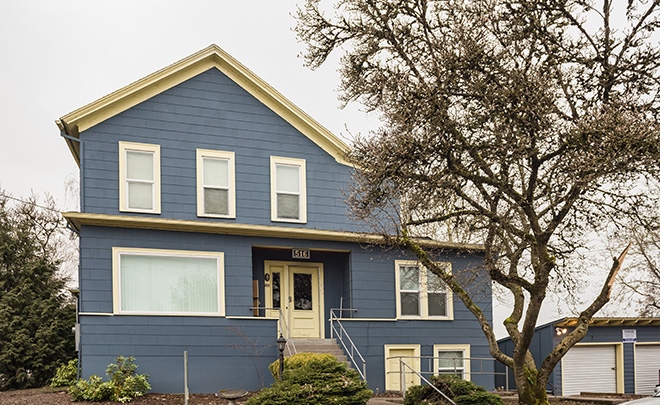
point(629, 335)
point(301, 253)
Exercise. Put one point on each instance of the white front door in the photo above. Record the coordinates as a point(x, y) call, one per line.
point(296, 289)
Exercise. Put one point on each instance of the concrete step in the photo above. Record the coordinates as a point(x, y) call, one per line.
point(328, 346)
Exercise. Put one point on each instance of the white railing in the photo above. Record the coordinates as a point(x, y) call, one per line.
point(283, 328)
point(402, 371)
point(337, 330)
point(457, 369)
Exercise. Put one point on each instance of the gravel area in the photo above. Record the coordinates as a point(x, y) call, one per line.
point(60, 397)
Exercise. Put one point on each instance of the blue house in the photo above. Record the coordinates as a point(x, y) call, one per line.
point(212, 221)
point(618, 355)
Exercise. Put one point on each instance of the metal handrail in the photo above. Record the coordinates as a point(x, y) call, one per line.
point(456, 370)
point(341, 334)
point(283, 328)
point(402, 372)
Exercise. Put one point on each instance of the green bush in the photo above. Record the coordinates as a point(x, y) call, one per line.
point(479, 398)
point(66, 374)
point(314, 379)
point(460, 391)
point(415, 395)
point(123, 386)
point(92, 389)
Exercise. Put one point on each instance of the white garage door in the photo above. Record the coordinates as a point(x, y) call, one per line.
point(589, 369)
point(647, 364)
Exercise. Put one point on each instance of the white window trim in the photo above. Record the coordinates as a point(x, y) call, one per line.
point(465, 348)
point(230, 157)
point(423, 293)
point(116, 278)
point(123, 185)
point(274, 161)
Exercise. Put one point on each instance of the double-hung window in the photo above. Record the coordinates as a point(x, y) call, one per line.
point(288, 189)
point(215, 184)
point(139, 177)
point(452, 359)
point(421, 293)
point(168, 282)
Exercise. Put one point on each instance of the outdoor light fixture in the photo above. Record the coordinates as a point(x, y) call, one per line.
point(561, 331)
point(281, 343)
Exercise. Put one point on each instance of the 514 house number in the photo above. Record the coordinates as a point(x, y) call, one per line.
point(300, 253)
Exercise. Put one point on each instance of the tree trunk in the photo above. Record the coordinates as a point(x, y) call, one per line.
point(531, 391)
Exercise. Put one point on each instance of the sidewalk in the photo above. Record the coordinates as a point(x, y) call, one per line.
point(384, 401)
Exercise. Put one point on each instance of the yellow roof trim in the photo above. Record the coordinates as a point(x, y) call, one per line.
point(213, 56)
point(78, 219)
point(571, 322)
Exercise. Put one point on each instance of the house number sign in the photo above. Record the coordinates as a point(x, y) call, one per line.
point(300, 253)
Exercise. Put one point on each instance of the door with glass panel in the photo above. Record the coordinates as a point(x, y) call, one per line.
point(296, 290)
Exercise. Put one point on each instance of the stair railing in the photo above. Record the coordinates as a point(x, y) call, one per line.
point(337, 329)
point(403, 367)
point(284, 330)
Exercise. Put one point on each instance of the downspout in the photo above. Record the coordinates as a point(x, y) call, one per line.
point(68, 137)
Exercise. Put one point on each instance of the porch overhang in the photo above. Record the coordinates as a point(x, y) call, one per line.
point(78, 219)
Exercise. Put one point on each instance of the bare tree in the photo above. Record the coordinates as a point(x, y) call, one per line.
point(533, 124)
point(641, 283)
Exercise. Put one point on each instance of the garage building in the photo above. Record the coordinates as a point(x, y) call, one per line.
point(618, 355)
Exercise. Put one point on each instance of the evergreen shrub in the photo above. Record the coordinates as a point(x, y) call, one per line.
point(313, 379)
point(460, 391)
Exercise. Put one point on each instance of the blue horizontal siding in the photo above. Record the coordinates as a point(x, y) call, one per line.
point(222, 353)
point(211, 112)
point(353, 277)
point(371, 337)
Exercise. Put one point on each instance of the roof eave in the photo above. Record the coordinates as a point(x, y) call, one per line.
point(77, 220)
point(114, 103)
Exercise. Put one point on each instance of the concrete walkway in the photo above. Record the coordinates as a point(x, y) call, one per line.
point(384, 401)
point(597, 400)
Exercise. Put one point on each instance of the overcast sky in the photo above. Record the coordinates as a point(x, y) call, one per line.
point(57, 56)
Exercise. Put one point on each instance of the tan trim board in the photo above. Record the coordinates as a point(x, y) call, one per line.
point(78, 219)
point(571, 322)
point(95, 314)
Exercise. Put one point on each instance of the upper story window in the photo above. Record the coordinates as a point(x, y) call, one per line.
point(216, 195)
point(139, 177)
point(421, 293)
point(168, 282)
point(288, 189)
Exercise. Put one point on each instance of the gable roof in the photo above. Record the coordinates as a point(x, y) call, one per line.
point(213, 56)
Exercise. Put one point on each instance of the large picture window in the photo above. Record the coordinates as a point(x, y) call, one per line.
point(421, 293)
point(149, 281)
point(288, 189)
point(139, 177)
point(215, 184)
